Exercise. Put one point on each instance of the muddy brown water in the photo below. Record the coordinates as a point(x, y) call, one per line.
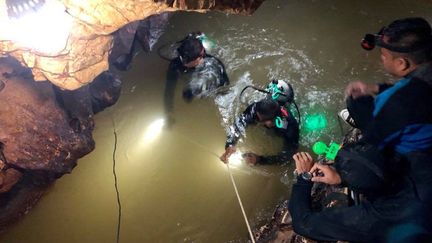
point(173, 188)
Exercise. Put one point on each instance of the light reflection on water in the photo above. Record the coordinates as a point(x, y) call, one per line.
point(153, 130)
point(174, 188)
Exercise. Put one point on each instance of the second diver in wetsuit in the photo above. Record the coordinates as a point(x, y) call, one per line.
point(272, 115)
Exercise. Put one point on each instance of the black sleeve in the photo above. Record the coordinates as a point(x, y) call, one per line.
point(170, 85)
point(409, 105)
point(290, 136)
point(355, 223)
point(282, 157)
point(224, 74)
point(224, 80)
point(238, 128)
point(383, 86)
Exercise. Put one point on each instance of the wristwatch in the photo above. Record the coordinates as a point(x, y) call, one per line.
point(307, 176)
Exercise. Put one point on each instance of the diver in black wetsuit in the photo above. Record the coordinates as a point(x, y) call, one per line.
point(204, 73)
point(273, 112)
point(269, 113)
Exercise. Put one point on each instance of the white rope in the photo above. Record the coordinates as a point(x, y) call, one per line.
point(232, 180)
point(241, 205)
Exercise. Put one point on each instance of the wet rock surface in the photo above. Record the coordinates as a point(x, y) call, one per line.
point(43, 132)
point(136, 36)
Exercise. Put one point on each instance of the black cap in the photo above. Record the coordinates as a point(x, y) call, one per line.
point(190, 49)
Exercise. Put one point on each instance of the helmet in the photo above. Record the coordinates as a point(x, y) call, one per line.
point(281, 91)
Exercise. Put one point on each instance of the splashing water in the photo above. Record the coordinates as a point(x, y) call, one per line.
point(228, 104)
point(252, 59)
point(238, 52)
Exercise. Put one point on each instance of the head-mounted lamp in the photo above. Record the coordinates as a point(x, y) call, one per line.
point(369, 42)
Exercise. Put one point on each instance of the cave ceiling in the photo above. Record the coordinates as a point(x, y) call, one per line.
point(87, 28)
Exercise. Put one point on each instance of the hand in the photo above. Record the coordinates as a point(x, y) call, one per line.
point(188, 95)
point(356, 89)
point(303, 162)
point(228, 151)
point(325, 174)
point(359, 88)
point(251, 158)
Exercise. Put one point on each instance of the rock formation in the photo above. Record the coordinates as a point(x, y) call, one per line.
point(44, 131)
point(85, 54)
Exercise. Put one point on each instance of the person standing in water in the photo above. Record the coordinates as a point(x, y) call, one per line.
point(273, 115)
point(204, 73)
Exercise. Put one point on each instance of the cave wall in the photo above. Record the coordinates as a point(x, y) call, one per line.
point(44, 131)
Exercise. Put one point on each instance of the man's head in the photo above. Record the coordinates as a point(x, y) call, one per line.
point(405, 44)
point(191, 51)
point(267, 111)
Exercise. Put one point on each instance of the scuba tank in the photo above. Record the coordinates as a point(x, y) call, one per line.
point(282, 92)
point(278, 90)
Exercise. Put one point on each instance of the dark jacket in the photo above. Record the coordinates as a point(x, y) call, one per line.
point(402, 114)
point(289, 133)
point(370, 221)
point(402, 127)
point(203, 80)
point(386, 207)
